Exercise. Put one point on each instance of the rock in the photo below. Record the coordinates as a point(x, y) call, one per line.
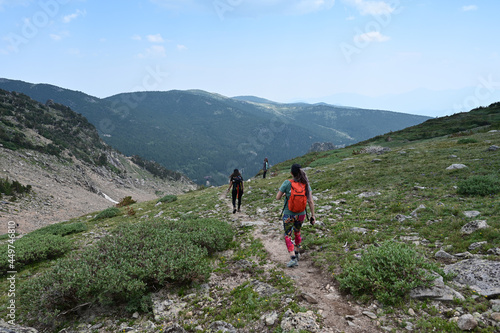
point(466, 322)
point(368, 194)
point(309, 298)
point(494, 251)
point(438, 291)
point(470, 227)
point(482, 276)
point(370, 314)
point(456, 166)
point(493, 148)
point(471, 213)
point(495, 316)
point(175, 328)
point(270, 318)
point(477, 245)
point(444, 255)
point(263, 289)
point(402, 218)
point(294, 322)
point(221, 326)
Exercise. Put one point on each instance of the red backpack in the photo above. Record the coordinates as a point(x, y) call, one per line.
point(298, 198)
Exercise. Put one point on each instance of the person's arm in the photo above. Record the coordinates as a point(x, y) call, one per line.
point(279, 195)
point(230, 184)
point(311, 206)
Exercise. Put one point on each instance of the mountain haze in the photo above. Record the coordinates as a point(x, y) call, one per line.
point(206, 135)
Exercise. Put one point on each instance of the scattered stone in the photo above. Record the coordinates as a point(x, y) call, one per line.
point(368, 194)
point(359, 230)
point(482, 276)
point(444, 255)
point(309, 298)
point(370, 314)
point(293, 322)
point(438, 291)
point(493, 148)
point(466, 322)
point(263, 289)
point(221, 326)
point(473, 226)
point(471, 213)
point(402, 218)
point(477, 245)
point(456, 166)
point(494, 251)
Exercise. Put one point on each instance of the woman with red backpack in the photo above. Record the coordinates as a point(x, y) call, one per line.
point(236, 182)
point(297, 194)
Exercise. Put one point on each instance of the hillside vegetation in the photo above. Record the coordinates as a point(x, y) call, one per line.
point(206, 135)
point(53, 165)
point(395, 202)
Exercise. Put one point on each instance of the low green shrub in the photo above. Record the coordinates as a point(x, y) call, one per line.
point(122, 269)
point(466, 141)
point(61, 229)
point(168, 198)
point(107, 213)
point(387, 273)
point(34, 248)
point(210, 233)
point(479, 185)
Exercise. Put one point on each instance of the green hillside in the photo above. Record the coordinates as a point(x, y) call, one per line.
point(206, 135)
point(396, 206)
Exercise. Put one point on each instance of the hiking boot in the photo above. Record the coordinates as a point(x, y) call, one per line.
point(292, 263)
point(234, 211)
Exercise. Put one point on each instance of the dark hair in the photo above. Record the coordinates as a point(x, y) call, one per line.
point(235, 173)
point(300, 176)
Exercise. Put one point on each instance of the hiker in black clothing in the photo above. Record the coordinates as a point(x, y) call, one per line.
point(265, 167)
point(236, 181)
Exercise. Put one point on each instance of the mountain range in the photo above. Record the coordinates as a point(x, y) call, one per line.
point(58, 155)
point(206, 135)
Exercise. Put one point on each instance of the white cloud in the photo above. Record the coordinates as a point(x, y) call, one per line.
point(181, 47)
point(71, 17)
point(469, 8)
point(155, 51)
point(136, 37)
point(59, 36)
point(155, 38)
point(309, 6)
point(372, 7)
point(372, 36)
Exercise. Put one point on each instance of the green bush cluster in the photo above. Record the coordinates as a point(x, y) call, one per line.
point(107, 213)
point(34, 248)
point(61, 229)
point(123, 268)
point(466, 141)
point(168, 198)
point(479, 185)
point(8, 187)
point(387, 272)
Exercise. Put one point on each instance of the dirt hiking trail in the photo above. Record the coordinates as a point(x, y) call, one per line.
point(315, 288)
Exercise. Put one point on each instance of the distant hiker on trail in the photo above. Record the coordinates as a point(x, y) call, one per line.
point(265, 167)
point(297, 194)
point(236, 181)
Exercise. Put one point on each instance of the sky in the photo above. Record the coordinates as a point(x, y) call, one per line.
point(415, 56)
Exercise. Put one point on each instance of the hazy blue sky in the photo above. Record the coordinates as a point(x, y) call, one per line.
point(400, 53)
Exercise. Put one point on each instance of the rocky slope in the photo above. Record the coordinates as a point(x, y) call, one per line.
point(70, 170)
point(62, 190)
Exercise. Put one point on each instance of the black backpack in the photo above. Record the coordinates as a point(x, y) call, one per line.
point(237, 182)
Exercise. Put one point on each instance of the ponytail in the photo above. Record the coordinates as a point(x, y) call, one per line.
point(300, 176)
